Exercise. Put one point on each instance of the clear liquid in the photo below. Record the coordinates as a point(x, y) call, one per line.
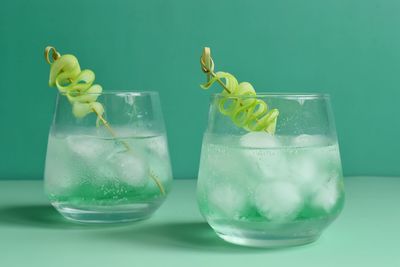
point(279, 190)
point(88, 171)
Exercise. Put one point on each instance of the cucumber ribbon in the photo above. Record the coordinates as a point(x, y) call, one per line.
point(239, 100)
point(76, 84)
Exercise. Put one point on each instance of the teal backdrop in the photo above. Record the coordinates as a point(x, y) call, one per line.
point(347, 48)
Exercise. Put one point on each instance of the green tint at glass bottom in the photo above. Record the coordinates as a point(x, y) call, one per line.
point(107, 203)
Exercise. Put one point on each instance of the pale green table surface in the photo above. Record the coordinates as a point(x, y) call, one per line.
point(33, 234)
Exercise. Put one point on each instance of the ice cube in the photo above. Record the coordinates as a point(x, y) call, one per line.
point(59, 174)
point(266, 155)
point(304, 172)
point(160, 167)
point(158, 146)
point(278, 201)
point(130, 168)
point(259, 140)
point(326, 196)
point(271, 164)
point(329, 158)
point(224, 164)
point(59, 169)
point(306, 140)
point(88, 147)
point(311, 167)
point(230, 199)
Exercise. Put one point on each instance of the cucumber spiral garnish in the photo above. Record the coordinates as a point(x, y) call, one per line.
point(77, 85)
point(239, 100)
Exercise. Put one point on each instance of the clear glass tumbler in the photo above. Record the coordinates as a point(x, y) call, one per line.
point(113, 167)
point(258, 189)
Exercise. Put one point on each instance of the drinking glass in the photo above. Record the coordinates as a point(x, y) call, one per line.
point(113, 167)
point(259, 189)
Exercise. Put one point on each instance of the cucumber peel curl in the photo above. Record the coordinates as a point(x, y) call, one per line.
point(239, 100)
point(76, 84)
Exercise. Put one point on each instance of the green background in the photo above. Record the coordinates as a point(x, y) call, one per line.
point(348, 48)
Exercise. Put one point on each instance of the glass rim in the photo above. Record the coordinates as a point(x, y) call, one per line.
point(284, 95)
point(120, 93)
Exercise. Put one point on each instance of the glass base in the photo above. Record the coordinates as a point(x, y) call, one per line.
point(266, 241)
point(107, 214)
point(270, 234)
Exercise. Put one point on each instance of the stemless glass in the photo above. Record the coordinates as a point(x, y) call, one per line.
point(112, 168)
point(257, 189)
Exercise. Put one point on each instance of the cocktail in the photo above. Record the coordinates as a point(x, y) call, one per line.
point(270, 172)
point(107, 157)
